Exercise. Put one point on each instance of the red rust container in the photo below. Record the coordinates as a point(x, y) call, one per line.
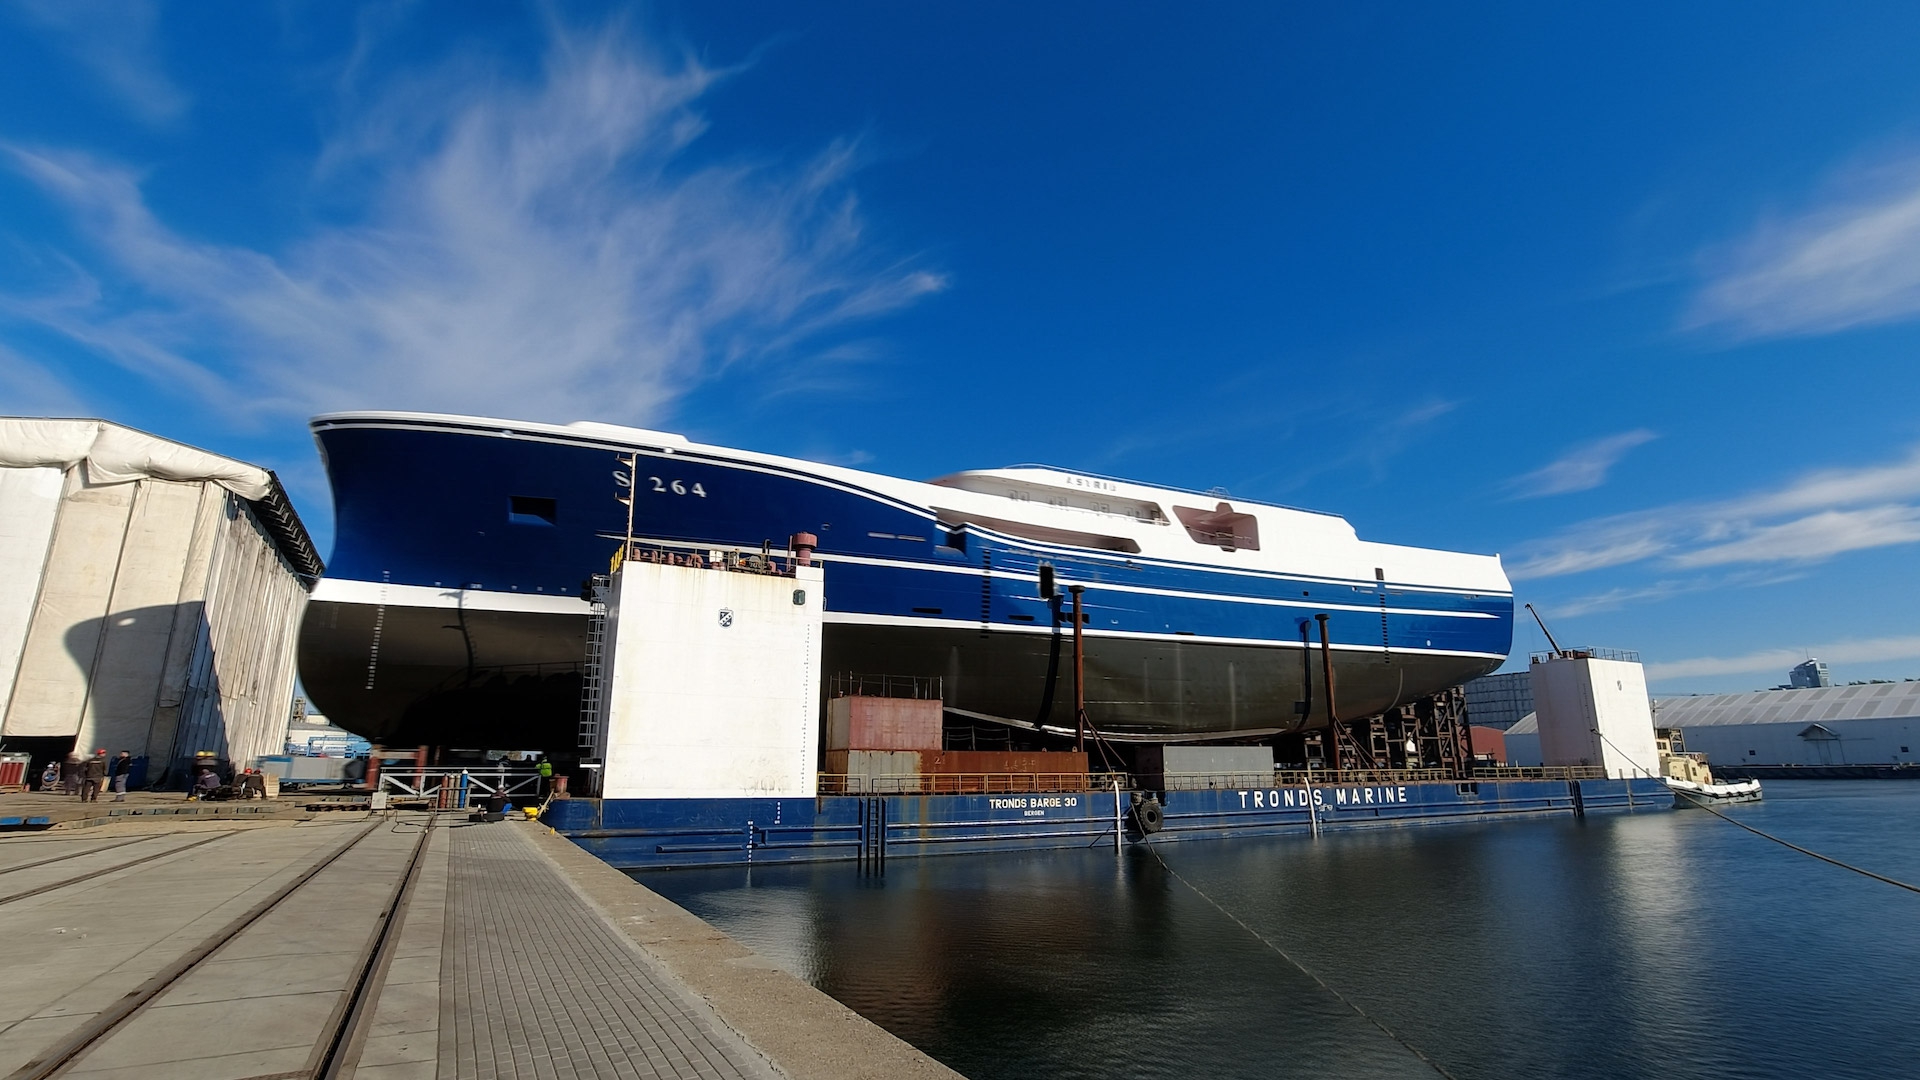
point(1489, 744)
point(879, 723)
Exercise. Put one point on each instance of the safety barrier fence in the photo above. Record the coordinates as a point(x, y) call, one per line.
point(457, 789)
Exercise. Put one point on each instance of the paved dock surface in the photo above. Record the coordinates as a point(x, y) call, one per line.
point(63, 812)
point(371, 945)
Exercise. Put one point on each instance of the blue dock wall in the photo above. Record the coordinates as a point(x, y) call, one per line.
point(637, 834)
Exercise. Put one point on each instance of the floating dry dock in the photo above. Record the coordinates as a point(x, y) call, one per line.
point(705, 744)
point(678, 833)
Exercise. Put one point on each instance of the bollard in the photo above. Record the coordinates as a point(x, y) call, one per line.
point(560, 787)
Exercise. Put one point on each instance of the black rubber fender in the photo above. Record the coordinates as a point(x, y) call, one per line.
point(1149, 816)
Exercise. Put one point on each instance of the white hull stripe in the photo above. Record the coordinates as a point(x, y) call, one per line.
point(1145, 590)
point(1148, 590)
point(347, 591)
point(859, 619)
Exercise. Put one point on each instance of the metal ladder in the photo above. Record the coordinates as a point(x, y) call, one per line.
point(593, 674)
point(873, 834)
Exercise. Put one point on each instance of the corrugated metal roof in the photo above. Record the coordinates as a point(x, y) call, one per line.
point(1821, 704)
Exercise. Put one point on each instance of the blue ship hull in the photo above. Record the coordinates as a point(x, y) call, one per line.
point(450, 611)
point(662, 834)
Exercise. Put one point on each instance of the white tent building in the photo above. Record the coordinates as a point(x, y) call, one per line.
point(150, 594)
point(1831, 726)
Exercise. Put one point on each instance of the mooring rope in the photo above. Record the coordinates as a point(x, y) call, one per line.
point(1804, 851)
point(1302, 968)
point(1757, 832)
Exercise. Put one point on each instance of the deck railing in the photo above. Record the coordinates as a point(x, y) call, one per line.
point(1538, 772)
point(967, 783)
point(1337, 777)
point(1021, 783)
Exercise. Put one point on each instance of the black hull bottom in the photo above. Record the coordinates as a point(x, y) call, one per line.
point(511, 679)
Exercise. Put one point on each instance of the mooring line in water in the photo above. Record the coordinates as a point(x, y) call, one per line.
point(1304, 969)
point(1804, 851)
point(1762, 833)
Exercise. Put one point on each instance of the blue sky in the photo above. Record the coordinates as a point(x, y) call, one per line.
point(1628, 295)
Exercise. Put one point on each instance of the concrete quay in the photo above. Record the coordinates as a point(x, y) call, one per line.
point(385, 946)
point(41, 810)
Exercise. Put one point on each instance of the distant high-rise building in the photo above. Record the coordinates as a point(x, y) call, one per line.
point(1499, 701)
point(1810, 674)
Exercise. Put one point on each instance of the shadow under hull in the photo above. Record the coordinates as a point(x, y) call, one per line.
point(512, 679)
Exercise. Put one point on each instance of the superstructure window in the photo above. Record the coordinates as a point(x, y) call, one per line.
point(527, 510)
point(1221, 527)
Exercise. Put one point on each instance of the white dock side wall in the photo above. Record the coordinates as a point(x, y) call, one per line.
point(715, 684)
point(1595, 712)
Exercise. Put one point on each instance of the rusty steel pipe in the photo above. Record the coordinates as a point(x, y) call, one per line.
point(1079, 673)
point(1326, 674)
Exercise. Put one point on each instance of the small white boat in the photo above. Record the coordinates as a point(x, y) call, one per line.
point(1693, 793)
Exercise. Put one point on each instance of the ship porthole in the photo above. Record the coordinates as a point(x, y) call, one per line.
point(799, 598)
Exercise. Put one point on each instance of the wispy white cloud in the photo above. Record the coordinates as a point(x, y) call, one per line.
point(1580, 469)
point(547, 250)
point(1852, 651)
point(1814, 517)
point(118, 43)
point(1620, 597)
point(1853, 260)
point(29, 388)
point(1815, 536)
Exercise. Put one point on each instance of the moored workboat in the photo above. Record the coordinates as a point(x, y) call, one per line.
point(1691, 777)
point(1693, 793)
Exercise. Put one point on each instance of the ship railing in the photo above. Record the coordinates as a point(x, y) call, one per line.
point(457, 789)
point(1588, 652)
point(1337, 777)
point(967, 783)
point(916, 687)
point(1211, 781)
point(736, 560)
point(1539, 772)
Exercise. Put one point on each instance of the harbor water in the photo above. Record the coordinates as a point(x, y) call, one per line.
point(1648, 945)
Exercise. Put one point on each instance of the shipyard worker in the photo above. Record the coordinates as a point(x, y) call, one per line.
point(70, 771)
point(546, 775)
point(204, 784)
point(118, 771)
point(93, 776)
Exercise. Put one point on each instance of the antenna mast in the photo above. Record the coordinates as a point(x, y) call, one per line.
point(632, 462)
